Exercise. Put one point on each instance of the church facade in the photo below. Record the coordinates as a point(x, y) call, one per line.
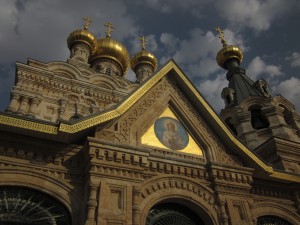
point(81, 145)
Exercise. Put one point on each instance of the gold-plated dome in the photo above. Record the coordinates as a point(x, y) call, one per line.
point(82, 36)
point(144, 57)
point(229, 52)
point(114, 50)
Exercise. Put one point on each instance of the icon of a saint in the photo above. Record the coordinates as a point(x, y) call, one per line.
point(171, 133)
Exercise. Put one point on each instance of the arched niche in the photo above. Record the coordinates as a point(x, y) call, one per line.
point(270, 209)
point(183, 194)
point(21, 205)
point(258, 120)
point(174, 213)
point(47, 184)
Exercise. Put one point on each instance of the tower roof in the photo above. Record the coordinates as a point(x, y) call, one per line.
point(242, 85)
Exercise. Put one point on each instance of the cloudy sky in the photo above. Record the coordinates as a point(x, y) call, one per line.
point(266, 30)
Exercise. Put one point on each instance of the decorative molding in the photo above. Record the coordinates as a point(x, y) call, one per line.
point(175, 183)
point(29, 125)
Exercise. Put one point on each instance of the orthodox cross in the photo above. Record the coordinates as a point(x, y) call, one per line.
point(110, 28)
point(86, 22)
point(143, 42)
point(221, 36)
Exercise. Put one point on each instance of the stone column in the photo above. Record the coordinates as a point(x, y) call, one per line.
point(91, 204)
point(23, 105)
point(275, 115)
point(33, 106)
point(14, 102)
point(135, 206)
point(223, 214)
point(62, 108)
point(246, 133)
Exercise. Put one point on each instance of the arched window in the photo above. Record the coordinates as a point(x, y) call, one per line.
point(271, 220)
point(24, 206)
point(172, 213)
point(258, 120)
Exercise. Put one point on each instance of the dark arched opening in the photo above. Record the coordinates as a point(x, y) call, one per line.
point(271, 220)
point(172, 214)
point(258, 120)
point(25, 206)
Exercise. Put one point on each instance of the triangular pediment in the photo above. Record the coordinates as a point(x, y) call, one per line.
point(167, 132)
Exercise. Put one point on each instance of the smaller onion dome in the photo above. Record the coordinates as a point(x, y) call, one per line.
point(83, 36)
point(143, 57)
point(228, 52)
point(109, 48)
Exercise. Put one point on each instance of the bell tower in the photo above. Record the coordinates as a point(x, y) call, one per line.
point(255, 116)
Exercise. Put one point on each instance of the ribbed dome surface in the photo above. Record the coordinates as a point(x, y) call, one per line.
point(114, 50)
point(82, 36)
point(144, 57)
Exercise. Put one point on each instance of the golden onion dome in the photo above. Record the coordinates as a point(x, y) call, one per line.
point(229, 52)
point(82, 36)
point(114, 50)
point(144, 57)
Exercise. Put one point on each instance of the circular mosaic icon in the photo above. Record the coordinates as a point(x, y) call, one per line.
point(171, 133)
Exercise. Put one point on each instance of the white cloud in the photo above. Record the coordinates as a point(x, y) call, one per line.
point(29, 29)
point(258, 67)
point(151, 44)
point(170, 42)
point(196, 54)
point(290, 90)
point(211, 90)
point(256, 14)
point(294, 59)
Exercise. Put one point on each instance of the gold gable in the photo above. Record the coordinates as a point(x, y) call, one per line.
point(188, 146)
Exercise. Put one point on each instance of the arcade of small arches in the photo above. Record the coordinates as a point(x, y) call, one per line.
point(26, 206)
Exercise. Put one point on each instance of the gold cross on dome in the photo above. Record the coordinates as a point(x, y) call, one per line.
point(110, 28)
point(143, 42)
point(86, 22)
point(221, 36)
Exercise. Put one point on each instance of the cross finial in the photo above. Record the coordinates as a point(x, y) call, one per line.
point(110, 28)
point(143, 42)
point(86, 22)
point(221, 36)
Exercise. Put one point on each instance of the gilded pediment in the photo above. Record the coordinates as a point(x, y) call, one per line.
point(169, 133)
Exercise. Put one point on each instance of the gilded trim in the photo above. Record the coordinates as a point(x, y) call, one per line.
point(121, 109)
point(127, 104)
point(285, 176)
point(15, 122)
